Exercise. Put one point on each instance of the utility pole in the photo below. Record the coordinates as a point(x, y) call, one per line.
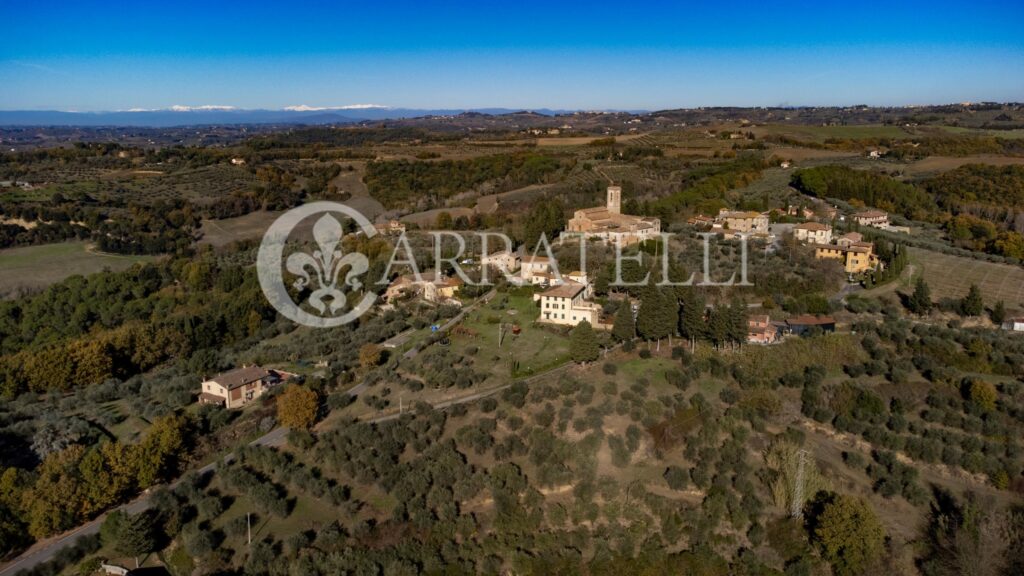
point(400, 405)
point(796, 506)
point(248, 529)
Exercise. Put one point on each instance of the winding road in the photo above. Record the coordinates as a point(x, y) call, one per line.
point(46, 550)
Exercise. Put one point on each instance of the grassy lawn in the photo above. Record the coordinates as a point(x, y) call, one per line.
point(307, 514)
point(34, 267)
point(535, 349)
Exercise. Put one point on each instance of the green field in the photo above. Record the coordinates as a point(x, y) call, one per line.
point(951, 277)
point(34, 267)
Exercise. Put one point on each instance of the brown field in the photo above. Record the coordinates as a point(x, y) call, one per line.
point(937, 164)
point(583, 140)
point(951, 277)
point(799, 154)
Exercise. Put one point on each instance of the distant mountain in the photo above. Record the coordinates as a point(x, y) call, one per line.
point(221, 115)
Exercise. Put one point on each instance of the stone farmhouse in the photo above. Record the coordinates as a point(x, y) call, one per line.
point(432, 288)
point(240, 386)
point(504, 261)
point(608, 223)
point(748, 222)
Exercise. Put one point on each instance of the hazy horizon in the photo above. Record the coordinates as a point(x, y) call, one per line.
point(89, 57)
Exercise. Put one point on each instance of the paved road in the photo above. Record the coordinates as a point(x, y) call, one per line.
point(46, 550)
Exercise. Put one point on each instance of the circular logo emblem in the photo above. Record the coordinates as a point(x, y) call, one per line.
point(323, 274)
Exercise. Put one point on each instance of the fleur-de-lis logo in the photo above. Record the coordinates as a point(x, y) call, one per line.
point(326, 263)
point(319, 271)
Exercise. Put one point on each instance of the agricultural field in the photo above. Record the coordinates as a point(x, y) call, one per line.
point(933, 165)
point(951, 276)
point(30, 268)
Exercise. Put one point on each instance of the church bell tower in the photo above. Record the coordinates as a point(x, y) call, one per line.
point(615, 199)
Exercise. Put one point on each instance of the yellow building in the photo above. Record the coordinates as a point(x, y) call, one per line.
point(753, 222)
point(856, 258)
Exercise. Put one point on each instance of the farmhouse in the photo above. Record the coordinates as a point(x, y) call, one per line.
point(390, 228)
point(813, 232)
point(434, 289)
point(849, 239)
point(566, 304)
point(240, 386)
point(856, 258)
point(760, 330)
point(876, 218)
point(504, 261)
point(535, 270)
point(747, 222)
point(610, 224)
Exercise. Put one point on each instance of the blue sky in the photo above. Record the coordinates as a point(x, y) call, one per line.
point(88, 55)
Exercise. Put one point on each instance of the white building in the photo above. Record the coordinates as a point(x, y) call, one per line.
point(876, 218)
point(1014, 324)
point(535, 270)
point(567, 305)
point(813, 232)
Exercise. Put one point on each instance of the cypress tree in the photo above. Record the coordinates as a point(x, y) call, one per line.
point(624, 328)
point(920, 302)
point(972, 304)
point(647, 321)
point(998, 315)
point(691, 321)
point(583, 343)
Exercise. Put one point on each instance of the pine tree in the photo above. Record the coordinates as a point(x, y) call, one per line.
point(920, 302)
point(624, 327)
point(998, 314)
point(583, 343)
point(972, 305)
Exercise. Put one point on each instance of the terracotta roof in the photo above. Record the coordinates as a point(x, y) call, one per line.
point(240, 376)
point(566, 290)
point(537, 259)
point(211, 398)
point(870, 214)
point(749, 214)
point(811, 226)
point(852, 236)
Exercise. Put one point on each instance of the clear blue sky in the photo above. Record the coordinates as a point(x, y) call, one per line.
point(86, 55)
